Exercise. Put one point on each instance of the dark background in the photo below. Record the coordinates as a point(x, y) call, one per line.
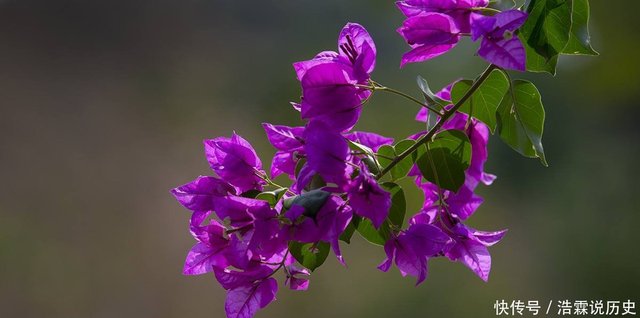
point(104, 104)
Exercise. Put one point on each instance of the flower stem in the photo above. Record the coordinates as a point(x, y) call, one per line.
point(443, 118)
point(486, 9)
point(407, 96)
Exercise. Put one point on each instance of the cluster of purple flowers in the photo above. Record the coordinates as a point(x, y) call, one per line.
point(434, 27)
point(244, 233)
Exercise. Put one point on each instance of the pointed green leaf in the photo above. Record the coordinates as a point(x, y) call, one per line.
point(546, 33)
point(398, 203)
point(579, 39)
point(521, 120)
point(446, 159)
point(272, 196)
point(404, 166)
point(555, 27)
point(366, 229)
point(309, 255)
point(386, 153)
point(430, 97)
point(485, 100)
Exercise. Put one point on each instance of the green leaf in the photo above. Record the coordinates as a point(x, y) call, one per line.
point(369, 232)
point(402, 168)
point(272, 196)
point(546, 33)
point(485, 100)
point(555, 27)
point(398, 203)
point(431, 100)
point(446, 159)
point(430, 97)
point(310, 255)
point(521, 120)
point(312, 201)
point(370, 159)
point(579, 39)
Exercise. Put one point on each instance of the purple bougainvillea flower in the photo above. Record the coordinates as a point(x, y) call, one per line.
point(288, 142)
point(429, 35)
point(327, 152)
point(327, 225)
point(329, 79)
point(470, 248)
point(371, 140)
point(368, 199)
point(244, 301)
point(209, 252)
point(411, 249)
point(235, 161)
point(297, 277)
point(329, 94)
point(461, 204)
point(201, 193)
point(500, 45)
point(459, 10)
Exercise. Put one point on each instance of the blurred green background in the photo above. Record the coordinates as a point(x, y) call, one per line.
point(104, 105)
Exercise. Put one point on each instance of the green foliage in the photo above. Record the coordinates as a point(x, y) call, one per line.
point(310, 255)
point(446, 158)
point(555, 27)
point(484, 102)
point(521, 120)
point(272, 196)
point(386, 154)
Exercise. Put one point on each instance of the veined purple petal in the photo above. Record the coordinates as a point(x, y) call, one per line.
point(235, 161)
point(201, 193)
point(246, 300)
point(203, 258)
point(429, 29)
point(283, 162)
point(508, 21)
point(463, 203)
point(239, 210)
point(365, 49)
point(368, 199)
point(327, 152)
point(231, 279)
point(284, 138)
point(322, 57)
point(414, 7)
point(425, 52)
point(329, 90)
point(508, 54)
point(425, 239)
point(481, 25)
point(488, 238)
point(371, 140)
point(474, 255)
point(298, 277)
